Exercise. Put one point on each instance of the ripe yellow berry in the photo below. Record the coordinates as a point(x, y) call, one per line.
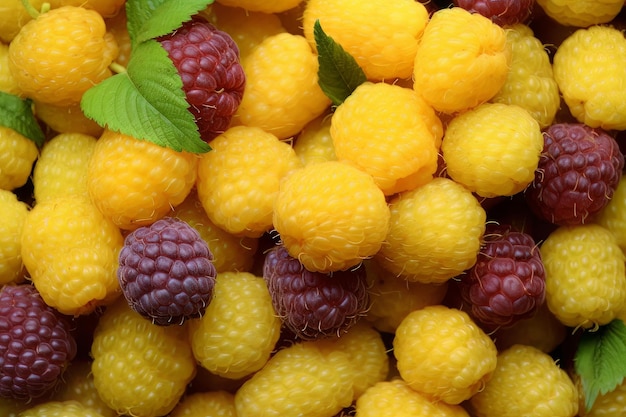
point(380, 130)
point(581, 13)
point(247, 28)
point(62, 166)
point(17, 155)
point(230, 252)
point(206, 404)
point(14, 16)
point(330, 216)
point(589, 68)
point(585, 276)
point(61, 54)
point(443, 354)
point(60, 409)
point(462, 60)
point(12, 217)
point(282, 92)
point(239, 329)
point(314, 143)
point(105, 8)
point(275, 6)
point(397, 25)
point(435, 232)
point(493, 149)
point(70, 251)
point(66, 119)
point(135, 182)
point(139, 368)
point(366, 349)
point(7, 81)
point(610, 404)
point(300, 380)
point(78, 386)
point(240, 177)
point(613, 215)
point(392, 298)
point(396, 398)
point(526, 382)
point(530, 82)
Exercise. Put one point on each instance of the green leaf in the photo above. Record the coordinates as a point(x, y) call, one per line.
point(149, 19)
point(146, 102)
point(339, 74)
point(600, 360)
point(17, 114)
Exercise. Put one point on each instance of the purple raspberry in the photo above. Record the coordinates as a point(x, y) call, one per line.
point(166, 272)
point(36, 344)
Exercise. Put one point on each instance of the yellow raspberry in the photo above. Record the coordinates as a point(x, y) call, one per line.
point(530, 82)
point(70, 251)
point(62, 53)
point(376, 130)
point(66, 119)
point(493, 149)
point(435, 232)
point(331, 216)
point(14, 16)
point(62, 166)
point(282, 92)
point(240, 177)
point(13, 214)
point(395, 398)
point(610, 404)
point(135, 182)
point(78, 386)
point(462, 60)
point(585, 275)
point(542, 331)
point(7, 81)
point(230, 252)
point(314, 143)
point(526, 382)
point(581, 13)
point(443, 354)
point(17, 155)
point(60, 409)
point(118, 26)
point(381, 35)
point(613, 215)
point(275, 6)
point(237, 334)
point(300, 380)
point(590, 68)
point(139, 368)
point(206, 404)
point(367, 351)
point(392, 298)
point(105, 8)
point(247, 28)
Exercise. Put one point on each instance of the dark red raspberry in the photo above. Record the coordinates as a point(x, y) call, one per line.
point(36, 344)
point(579, 170)
point(207, 60)
point(314, 305)
point(166, 272)
point(501, 12)
point(507, 283)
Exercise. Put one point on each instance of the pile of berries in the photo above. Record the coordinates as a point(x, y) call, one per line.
point(434, 238)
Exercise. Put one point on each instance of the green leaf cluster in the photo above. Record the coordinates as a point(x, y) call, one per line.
point(147, 101)
point(17, 114)
point(600, 360)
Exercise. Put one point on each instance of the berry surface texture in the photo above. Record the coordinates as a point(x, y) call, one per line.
point(312, 208)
